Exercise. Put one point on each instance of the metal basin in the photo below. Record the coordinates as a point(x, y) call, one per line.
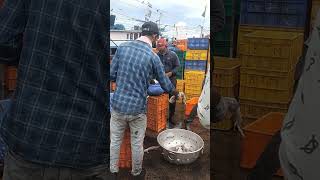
point(180, 146)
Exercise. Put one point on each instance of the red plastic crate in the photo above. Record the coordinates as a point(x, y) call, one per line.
point(125, 151)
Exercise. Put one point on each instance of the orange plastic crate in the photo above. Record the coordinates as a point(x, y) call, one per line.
point(157, 112)
point(11, 78)
point(113, 86)
point(258, 134)
point(158, 102)
point(157, 121)
point(125, 158)
point(190, 103)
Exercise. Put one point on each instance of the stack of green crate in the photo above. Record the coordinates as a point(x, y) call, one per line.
point(181, 55)
point(223, 40)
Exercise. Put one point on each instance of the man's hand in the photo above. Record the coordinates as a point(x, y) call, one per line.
point(174, 97)
point(169, 74)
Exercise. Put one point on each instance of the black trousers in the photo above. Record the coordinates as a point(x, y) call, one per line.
point(172, 106)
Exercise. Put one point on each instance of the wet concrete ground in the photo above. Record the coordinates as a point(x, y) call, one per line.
point(159, 169)
point(224, 157)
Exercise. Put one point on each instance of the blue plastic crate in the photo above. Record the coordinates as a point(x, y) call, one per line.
point(255, 6)
point(273, 20)
point(273, 7)
point(273, 13)
point(292, 20)
point(294, 7)
point(198, 43)
point(195, 65)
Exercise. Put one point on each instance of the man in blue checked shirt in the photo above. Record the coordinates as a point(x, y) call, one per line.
point(133, 66)
point(57, 127)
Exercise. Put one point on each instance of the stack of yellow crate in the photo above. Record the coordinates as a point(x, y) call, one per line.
point(245, 29)
point(268, 60)
point(180, 85)
point(193, 83)
point(226, 76)
point(196, 59)
point(314, 11)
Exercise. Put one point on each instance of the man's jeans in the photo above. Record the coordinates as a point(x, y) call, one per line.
point(15, 168)
point(118, 124)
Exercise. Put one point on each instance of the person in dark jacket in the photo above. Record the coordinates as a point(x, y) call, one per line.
point(171, 64)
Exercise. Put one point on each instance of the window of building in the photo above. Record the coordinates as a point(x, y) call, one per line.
point(131, 36)
point(127, 36)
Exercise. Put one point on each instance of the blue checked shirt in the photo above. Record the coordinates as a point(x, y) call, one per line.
point(132, 67)
point(59, 115)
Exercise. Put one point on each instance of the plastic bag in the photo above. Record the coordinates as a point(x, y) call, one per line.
point(155, 90)
point(204, 103)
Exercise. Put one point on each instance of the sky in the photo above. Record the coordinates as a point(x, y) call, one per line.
point(180, 18)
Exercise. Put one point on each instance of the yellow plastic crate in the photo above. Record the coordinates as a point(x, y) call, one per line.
point(244, 30)
point(197, 55)
point(228, 91)
point(281, 44)
point(193, 84)
point(180, 85)
point(266, 79)
point(190, 95)
point(268, 63)
point(226, 71)
point(224, 125)
point(193, 90)
point(209, 60)
point(194, 75)
point(265, 95)
point(253, 109)
point(314, 11)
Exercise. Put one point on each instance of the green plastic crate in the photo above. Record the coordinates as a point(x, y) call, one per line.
point(227, 33)
point(222, 48)
point(232, 7)
point(180, 73)
point(228, 6)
